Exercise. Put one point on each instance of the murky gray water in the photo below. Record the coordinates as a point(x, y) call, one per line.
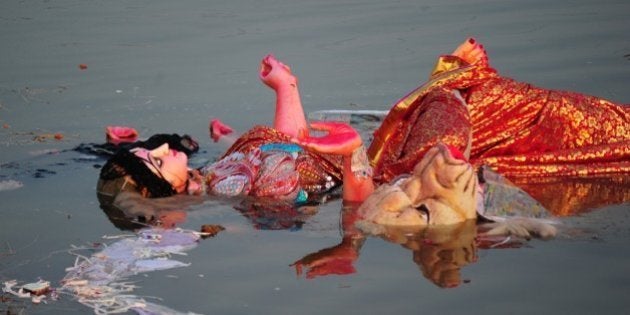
point(169, 66)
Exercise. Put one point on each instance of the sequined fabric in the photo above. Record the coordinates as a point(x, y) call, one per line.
point(438, 117)
point(522, 130)
point(233, 175)
point(432, 113)
point(519, 130)
point(278, 168)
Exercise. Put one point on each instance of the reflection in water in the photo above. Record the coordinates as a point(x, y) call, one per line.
point(564, 197)
point(439, 251)
point(337, 259)
point(129, 211)
point(269, 214)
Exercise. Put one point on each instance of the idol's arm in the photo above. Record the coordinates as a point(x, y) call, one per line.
point(289, 117)
point(345, 141)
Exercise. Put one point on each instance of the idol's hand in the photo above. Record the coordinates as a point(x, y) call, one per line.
point(218, 129)
point(276, 74)
point(340, 138)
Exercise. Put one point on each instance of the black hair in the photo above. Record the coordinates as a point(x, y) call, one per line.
point(149, 184)
point(184, 143)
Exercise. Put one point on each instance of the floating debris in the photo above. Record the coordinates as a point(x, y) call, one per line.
point(10, 185)
point(37, 288)
point(8, 288)
point(210, 230)
point(99, 281)
point(45, 136)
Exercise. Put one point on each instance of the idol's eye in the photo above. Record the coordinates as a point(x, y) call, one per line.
point(158, 162)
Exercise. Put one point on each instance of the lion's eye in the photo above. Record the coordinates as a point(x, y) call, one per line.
point(424, 211)
point(422, 208)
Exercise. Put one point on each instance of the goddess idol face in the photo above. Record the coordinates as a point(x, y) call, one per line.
point(171, 165)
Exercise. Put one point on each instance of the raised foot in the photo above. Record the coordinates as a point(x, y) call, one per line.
point(472, 52)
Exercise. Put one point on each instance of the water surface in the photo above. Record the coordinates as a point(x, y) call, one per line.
point(169, 66)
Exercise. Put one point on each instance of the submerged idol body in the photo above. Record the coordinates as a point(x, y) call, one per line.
point(468, 113)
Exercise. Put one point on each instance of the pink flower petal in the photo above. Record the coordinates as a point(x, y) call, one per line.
point(121, 134)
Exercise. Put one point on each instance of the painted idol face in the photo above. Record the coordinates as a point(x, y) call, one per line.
point(169, 164)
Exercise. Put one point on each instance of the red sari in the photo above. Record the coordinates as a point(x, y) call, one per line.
point(531, 135)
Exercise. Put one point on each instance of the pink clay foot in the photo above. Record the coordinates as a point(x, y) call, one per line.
point(218, 129)
point(120, 134)
point(472, 52)
point(341, 138)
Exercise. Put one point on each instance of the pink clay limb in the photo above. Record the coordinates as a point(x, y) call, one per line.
point(275, 74)
point(218, 129)
point(343, 140)
point(340, 138)
point(120, 134)
point(289, 116)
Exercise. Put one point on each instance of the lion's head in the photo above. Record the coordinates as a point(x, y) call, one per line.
point(443, 189)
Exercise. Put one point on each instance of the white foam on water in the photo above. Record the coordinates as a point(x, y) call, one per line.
point(10, 185)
